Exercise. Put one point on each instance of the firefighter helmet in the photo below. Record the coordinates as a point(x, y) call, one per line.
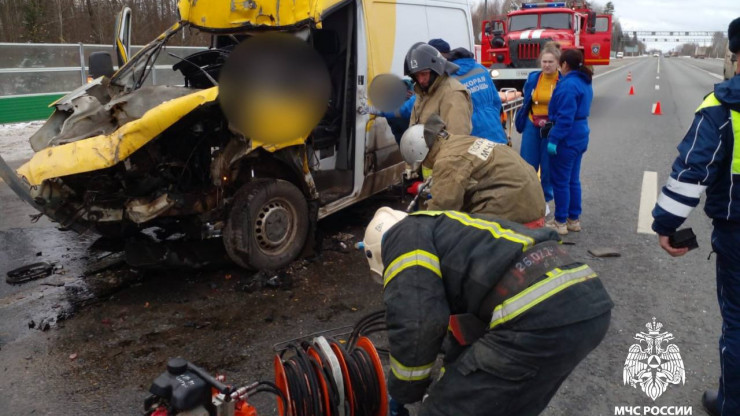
point(384, 219)
point(414, 148)
point(422, 56)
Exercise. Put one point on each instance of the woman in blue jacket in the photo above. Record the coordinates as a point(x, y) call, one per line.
point(534, 113)
point(567, 141)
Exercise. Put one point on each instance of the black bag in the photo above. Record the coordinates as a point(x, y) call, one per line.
point(545, 130)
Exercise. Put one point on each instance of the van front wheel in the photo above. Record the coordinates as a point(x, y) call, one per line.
point(267, 224)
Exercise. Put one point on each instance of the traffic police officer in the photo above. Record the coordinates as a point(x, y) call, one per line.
point(709, 160)
point(523, 313)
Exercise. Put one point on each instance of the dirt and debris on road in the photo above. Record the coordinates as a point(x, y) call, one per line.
point(127, 322)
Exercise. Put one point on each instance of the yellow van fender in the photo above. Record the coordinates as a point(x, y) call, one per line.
point(104, 151)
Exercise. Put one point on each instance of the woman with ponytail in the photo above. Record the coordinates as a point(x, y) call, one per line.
point(567, 141)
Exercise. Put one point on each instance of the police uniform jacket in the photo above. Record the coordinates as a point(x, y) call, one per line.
point(443, 263)
point(708, 160)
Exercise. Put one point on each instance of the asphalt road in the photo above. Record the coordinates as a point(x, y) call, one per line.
point(102, 359)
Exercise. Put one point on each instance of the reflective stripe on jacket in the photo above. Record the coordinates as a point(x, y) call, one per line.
point(446, 262)
point(708, 160)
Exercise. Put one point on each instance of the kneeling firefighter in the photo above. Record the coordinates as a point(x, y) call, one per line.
point(475, 175)
point(521, 312)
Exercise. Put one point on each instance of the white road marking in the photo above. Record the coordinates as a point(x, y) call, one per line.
point(657, 87)
point(659, 66)
point(648, 198)
point(658, 77)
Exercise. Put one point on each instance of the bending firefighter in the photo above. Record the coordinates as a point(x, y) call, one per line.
point(475, 175)
point(522, 313)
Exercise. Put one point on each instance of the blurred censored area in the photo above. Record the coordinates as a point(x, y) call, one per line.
point(274, 88)
point(387, 92)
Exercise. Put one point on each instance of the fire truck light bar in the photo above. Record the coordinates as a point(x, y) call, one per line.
point(536, 5)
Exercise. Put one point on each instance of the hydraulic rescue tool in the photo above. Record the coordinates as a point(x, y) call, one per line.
point(317, 377)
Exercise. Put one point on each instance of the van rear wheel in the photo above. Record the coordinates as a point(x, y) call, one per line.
point(267, 224)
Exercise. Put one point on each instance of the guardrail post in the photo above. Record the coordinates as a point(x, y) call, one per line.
point(83, 75)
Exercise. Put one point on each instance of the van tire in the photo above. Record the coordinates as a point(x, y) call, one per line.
point(267, 224)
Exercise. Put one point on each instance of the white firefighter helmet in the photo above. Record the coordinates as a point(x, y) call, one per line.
point(414, 148)
point(384, 219)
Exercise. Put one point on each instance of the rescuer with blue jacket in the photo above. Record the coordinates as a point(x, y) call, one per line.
point(709, 160)
point(567, 140)
point(476, 78)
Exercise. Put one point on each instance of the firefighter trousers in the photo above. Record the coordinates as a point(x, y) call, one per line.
point(725, 242)
point(509, 372)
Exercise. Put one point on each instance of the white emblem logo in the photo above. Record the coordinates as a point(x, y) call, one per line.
point(653, 367)
point(414, 64)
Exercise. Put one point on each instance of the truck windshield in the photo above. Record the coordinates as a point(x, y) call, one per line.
point(523, 22)
point(556, 21)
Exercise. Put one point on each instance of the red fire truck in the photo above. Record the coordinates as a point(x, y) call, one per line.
point(511, 45)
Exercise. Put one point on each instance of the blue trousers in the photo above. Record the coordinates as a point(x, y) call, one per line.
point(565, 174)
point(534, 151)
point(725, 242)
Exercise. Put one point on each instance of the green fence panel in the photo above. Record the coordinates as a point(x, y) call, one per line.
point(26, 107)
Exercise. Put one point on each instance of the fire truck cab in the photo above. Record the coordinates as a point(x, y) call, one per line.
point(510, 45)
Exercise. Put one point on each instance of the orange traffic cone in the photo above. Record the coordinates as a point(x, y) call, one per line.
point(629, 77)
point(656, 109)
point(632, 90)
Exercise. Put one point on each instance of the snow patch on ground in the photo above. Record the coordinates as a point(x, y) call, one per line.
point(14, 144)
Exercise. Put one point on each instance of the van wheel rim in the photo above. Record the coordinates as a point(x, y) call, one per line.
point(274, 225)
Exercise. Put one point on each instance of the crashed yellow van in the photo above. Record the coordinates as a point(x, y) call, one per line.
point(120, 155)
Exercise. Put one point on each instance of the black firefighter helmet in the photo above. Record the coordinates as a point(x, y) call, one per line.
point(422, 56)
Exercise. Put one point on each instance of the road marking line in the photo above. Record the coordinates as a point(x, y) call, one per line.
point(657, 87)
point(658, 77)
point(659, 65)
point(648, 199)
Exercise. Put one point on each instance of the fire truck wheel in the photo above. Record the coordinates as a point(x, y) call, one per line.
point(267, 224)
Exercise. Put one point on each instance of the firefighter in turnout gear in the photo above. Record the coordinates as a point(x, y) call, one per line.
point(436, 91)
point(521, 312)
point(475, 175)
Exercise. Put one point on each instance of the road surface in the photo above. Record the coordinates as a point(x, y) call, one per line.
point(101, 359)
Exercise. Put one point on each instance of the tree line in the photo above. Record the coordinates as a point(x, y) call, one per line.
point(87, 21)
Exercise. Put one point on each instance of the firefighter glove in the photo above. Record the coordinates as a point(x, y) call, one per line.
point(396, 408)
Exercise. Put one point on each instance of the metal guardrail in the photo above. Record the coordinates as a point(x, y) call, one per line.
point(33, 75)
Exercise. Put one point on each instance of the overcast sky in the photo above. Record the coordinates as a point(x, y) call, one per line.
point(678, 15)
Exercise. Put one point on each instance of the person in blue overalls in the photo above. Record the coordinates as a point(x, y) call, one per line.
point(567, 140)
point(533, 115)
point(709, 160)
point(476, 78)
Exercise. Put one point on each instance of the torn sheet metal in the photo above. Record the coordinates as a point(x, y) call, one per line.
point(104, 151)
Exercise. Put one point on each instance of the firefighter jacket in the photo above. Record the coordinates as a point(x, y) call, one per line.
point(449, 99)
point(570, 106)
point(708, 160)
point(443, 263)
point(479, 176)
point(486, 117)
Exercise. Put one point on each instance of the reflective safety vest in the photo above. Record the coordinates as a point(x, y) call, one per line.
point(712, 101)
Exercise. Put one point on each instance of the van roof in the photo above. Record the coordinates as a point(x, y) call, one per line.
point(236, 15)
